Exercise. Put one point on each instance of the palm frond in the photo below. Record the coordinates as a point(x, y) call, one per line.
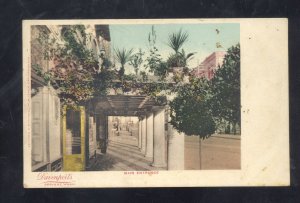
point(123, 55)
point(187, 57)
point(190, 55)
point(176, 40)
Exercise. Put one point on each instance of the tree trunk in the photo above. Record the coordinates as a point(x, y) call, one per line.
point(227, 128)
point(234, 128)
point(200, 165)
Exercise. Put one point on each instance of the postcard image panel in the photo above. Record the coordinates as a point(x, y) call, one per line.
point(154, 103)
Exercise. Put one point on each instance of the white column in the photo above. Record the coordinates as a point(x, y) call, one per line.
point(94, 133)
point(91, 136)
point(140, 134)
point(101, 126)
point(159, 158)
point(149, 147)
point(109, 127)
point(144, 136)
point(102, 132)
point(175, 149)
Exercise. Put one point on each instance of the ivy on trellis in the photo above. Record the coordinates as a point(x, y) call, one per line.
point(74, 68)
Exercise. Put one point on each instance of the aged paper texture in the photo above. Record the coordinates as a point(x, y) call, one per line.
point(100, 96)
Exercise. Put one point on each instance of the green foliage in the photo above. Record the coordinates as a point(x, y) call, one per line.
point(190, 110)
point(154, 61)
point(137, 60)
point(198, 104)
point(155, 64)
point(144, 76)
point(161, 100)
point(105, 63)
point(225, 87)
point(152, 37)
point(123, 56)
point(75, 66)
point(129, 77)
point(176, 40)
point(201, 104)
point(179, 59)
point(103, 81)
point(151, 89)
point(75, 42)
point(161, 70)
point(176, 60)
point(39, 71)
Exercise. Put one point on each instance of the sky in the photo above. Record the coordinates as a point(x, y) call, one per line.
point(202, 38)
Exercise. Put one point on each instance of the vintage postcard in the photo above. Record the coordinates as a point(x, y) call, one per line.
point(155, 103)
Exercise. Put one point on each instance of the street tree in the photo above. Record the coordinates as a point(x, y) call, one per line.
point(225, 88)
point(190, 111)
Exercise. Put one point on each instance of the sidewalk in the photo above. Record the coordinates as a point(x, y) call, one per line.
point(122, 155)
point(228, 136)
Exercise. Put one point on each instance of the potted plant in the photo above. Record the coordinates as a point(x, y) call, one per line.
point(177, 62)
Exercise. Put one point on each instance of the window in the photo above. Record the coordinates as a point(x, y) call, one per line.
point(73, 138)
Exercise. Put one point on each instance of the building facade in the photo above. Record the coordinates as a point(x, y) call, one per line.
point(51, 142)
point(45, 115)
point(209, 66)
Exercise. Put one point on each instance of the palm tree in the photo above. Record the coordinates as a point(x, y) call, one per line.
point(179, 59)
point(123, 56)
point(176, 40)
point(188, 57)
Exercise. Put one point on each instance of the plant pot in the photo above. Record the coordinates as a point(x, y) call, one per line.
point(177, 70)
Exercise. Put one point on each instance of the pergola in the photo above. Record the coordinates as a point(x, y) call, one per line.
point(122, 105)
point(157, 139)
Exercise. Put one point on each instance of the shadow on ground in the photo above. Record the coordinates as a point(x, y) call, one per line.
point(102, 162)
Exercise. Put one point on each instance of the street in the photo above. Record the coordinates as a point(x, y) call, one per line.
point(217, 152)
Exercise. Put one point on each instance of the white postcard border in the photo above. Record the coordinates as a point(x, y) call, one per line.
point(265, 118)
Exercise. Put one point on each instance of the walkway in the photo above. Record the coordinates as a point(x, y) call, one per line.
point(122, 155)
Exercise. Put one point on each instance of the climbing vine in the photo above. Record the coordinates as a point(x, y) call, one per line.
point(75, 68)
